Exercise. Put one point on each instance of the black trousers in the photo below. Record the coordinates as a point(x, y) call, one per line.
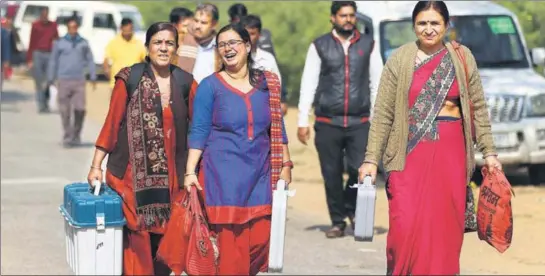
point(332, 143)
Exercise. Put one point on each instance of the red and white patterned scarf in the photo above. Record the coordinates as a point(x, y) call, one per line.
point(273, 83)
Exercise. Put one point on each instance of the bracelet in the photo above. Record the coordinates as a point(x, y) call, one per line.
point(187, 174)
point(288, 164)
point(96, 168)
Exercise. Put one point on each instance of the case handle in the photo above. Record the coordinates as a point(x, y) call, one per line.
point(96, 185)
point(367, 181)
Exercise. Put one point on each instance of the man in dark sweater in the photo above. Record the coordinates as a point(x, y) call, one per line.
point(42, 35)
point(336, 80)
point(70, 57)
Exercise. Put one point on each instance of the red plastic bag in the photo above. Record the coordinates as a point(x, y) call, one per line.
point(494, 211)
point(7, 72)
point(202, 252)
point(173, 247)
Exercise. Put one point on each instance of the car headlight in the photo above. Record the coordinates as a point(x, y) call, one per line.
point(536, 106)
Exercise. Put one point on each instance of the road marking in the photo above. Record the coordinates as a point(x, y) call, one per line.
point(33, 181)
point(367, 250)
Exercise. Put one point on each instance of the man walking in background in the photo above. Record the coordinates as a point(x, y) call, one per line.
point(70, 56)
point(264, 42)
point(181, 18)
point(42, 35)
point(237, 12)
point(124, 50)
point(198, 53)
point(6, 54)
point(262, 59)
point(336, 78)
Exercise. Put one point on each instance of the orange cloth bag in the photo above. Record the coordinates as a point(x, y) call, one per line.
point(494, 211)
point(173, 247)
point(188, 244)
point(202, 252)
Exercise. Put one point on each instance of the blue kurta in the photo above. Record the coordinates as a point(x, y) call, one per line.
point(232, 128)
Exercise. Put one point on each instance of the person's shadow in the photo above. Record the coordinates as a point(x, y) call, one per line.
point(9, 99)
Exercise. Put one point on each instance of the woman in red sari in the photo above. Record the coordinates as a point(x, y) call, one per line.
point(421, 130)
point(144, 137)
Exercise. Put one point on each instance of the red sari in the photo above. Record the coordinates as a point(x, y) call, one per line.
point(139, 247)
point(427, 199)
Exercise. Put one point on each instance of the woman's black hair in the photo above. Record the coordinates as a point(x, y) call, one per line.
point(158, 27)
point(438, 6)
point(255, 74)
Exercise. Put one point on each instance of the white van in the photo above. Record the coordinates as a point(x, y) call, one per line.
point(99, 21)
point(515, 93)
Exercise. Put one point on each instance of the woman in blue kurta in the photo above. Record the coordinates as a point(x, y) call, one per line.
point(231, 130)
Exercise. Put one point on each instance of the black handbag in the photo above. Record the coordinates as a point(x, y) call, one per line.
point(470, 213)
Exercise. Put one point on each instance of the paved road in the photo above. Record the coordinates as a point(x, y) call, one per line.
point(35, 168)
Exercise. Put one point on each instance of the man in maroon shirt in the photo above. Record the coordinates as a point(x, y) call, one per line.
point(42, 35)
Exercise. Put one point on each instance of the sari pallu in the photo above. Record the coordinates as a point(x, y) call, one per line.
point(427, 199)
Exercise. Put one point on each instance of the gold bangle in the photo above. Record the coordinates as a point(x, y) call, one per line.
point(96, 168)
point(187, 174)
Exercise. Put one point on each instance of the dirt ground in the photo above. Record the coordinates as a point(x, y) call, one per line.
point(526, 255)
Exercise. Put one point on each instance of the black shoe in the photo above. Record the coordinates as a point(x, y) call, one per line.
point(336, 231)
point(67, 145)
point(44, 110)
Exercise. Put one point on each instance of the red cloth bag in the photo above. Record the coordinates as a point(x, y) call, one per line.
point(173, 247)
point(494, 211)
point(188, 245)
point(202, 252)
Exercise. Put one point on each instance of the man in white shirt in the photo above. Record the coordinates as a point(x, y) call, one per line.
point(262, 59)
point(204, 31)
point(336, 79)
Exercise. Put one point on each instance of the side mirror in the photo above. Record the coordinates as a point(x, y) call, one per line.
point(538, 56)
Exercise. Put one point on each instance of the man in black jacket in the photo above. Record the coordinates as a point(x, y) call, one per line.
point(336, 79)
point(236, 12)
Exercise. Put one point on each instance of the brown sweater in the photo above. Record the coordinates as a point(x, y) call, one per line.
point(389, 131)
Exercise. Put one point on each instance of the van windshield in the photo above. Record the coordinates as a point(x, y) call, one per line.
point(494, 40)
point(137, 21)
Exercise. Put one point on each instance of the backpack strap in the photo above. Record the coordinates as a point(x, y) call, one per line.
point(137, 70)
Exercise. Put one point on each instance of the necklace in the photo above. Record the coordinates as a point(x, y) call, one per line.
point(247, 71)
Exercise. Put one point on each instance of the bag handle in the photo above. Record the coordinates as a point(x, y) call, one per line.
point(460, 53)
point(486, 173)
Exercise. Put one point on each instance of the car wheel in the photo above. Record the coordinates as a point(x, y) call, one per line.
point(537, 174)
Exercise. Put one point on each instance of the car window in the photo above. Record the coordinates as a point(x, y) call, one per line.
point(104, 20)
point(65, 14)
point(32, 13)
point(494, 40)
point(136, 18)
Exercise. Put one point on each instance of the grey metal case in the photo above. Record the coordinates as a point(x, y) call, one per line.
point(365, 210)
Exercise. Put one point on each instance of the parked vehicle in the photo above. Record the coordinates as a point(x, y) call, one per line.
point(8, 9)
point(99, 21)
point(514, 91)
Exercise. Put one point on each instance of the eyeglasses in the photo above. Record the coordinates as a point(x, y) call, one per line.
point(232, 43)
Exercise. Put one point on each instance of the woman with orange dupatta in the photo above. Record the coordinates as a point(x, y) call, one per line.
point(144, 137)
point(422, 130)
point(238, 130)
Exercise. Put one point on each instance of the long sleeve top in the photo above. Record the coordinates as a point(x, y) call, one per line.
point(6, 46)
point(311, 76)
point(42, 36)
point(69, 59)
